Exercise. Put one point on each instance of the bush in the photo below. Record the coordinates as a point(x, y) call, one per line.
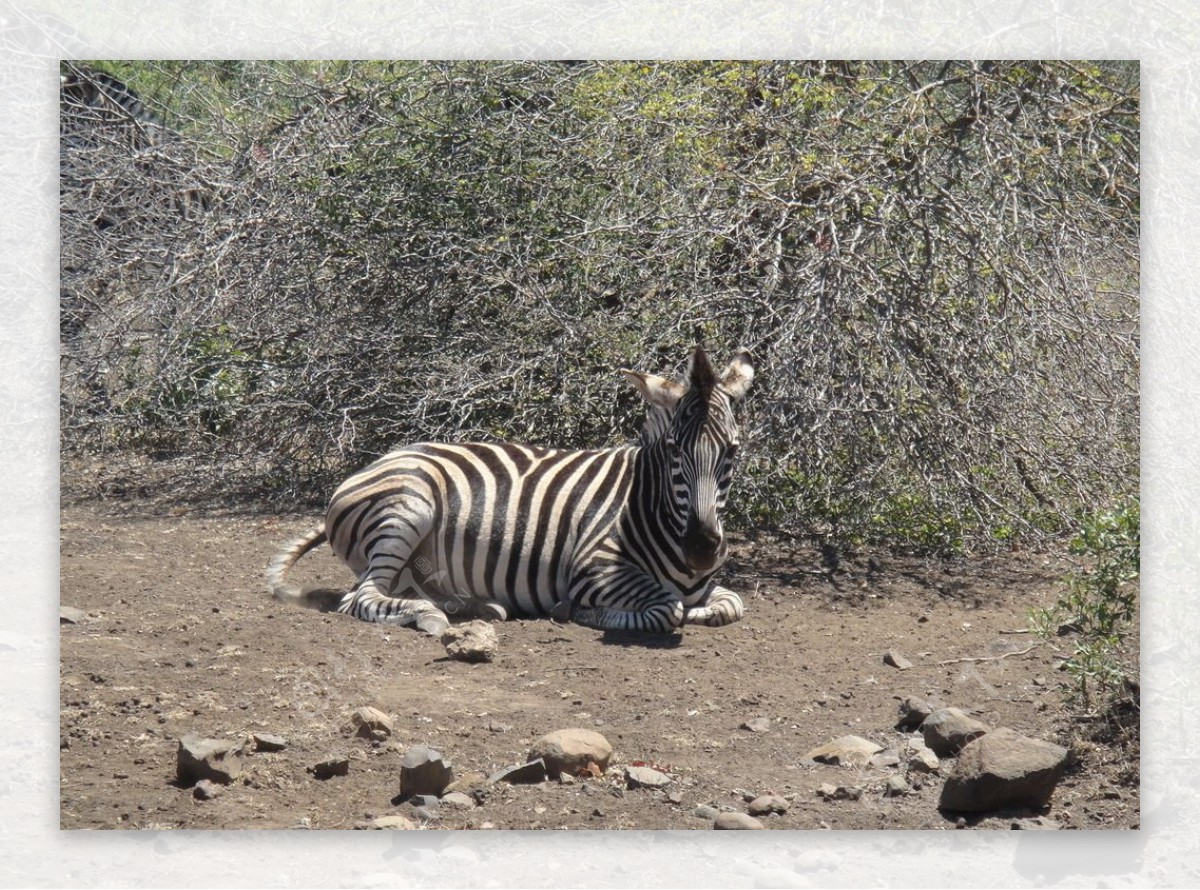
point(1099, 607)
point(934, 264)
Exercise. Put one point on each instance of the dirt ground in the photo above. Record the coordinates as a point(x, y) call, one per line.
point(180, 636)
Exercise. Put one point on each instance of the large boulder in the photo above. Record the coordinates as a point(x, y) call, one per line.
point(1004, 769)
point(424, 771)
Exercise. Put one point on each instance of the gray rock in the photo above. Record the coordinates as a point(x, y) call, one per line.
point(522, 774)
point(71, 615)
point(706, 812)
point(424, 771)
point(458, 800)
point(1036, 823)
point(467, 783)
point(206, 789)
point(839, 792)
point(472, 641)
point(265, 741)
point(895, 787)
point(736, 822)
point(1003, 769)
point(334, 765)
point(571, 750)
point(645, 777)
point(885, 759)
point(394, 823)
point(214, 759)
point(848, 750)
point(946, 730)
point(896, 660)
point(369, 723)
point(913, 712)
point(768, 804)
point(920, 758)
point(758, 724)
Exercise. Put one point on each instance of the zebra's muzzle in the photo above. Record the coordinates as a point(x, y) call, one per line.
point(703, 544)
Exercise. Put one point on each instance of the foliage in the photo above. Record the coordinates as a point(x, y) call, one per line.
point(1099, 605)
point(935, 265)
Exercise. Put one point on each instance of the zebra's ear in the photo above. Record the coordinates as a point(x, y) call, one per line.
point(658, 391)
point(738, 375)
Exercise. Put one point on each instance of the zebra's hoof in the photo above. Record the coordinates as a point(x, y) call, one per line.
point(493, 612)
point(561, 612)
point(434, 625)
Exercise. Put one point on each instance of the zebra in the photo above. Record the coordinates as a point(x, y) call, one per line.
point(624, 538)
point(92, 101)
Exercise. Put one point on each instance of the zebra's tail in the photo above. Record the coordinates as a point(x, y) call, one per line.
point(322, 599)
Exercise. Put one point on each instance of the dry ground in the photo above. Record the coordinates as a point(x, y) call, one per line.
point(180, 636)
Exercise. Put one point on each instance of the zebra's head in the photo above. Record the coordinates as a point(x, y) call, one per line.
point(692, 427)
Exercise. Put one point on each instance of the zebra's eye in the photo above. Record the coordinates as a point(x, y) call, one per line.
point(731, 450)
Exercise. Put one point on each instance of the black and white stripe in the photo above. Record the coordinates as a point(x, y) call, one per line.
point(622, 538)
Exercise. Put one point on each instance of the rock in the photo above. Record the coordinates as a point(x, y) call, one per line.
point(265, 741)
point(424, 771)
point(913, 712)
point(706, 812)
point(369, 723)
point(467, 783)
point(768, 804)
point(213, 759)
point(1036, 823)
point(839, 792)
point(848, 750)
point(758, 724)
point(472, 641)
point(334, 765)
point(522, 774)
point(1003, 769)
point(946, 730)
point(571, 750)
point(71, 615)
point(896, 660)
point(206, 789)
point(394, 823)
point(895, 787)
point(921, 759)
point(736, 822)
point(494, 726)
point(645, 777)
point(458, 800)
point(885, 759)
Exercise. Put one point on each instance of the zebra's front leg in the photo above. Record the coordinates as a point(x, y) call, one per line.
point(722, 606)
point(660, 617)
point(368, 601)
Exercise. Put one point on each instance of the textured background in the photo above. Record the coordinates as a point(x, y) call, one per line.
point(34, 34)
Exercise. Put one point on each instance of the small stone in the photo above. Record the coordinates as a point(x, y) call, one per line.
point(946, 730)
point(206, 789)
point(494, 726)
point(896, 660)
point(522, 774)
point(913, 712)
point(265, 741)
point(467, 783)
point(736, 822)
point(768, 804)
point(706, 812)
point(675, 797)
point(1036, 823)
point(471, 641)
point(571, 751)
point(336, 765)
point(758, 724)
point(848, 750)
point(370, 723)
point(921, 759)
point(458, 800)
point(424, 771)
point(645, 777)
point(200, 758)
point(885, 759)
point(71, 615)
point(896, 787)
point(394, 823)
point(839, 792)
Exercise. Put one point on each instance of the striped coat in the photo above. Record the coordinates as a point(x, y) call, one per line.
point(617, 538)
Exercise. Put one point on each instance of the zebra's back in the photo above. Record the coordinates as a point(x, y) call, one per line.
point(497, 522)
